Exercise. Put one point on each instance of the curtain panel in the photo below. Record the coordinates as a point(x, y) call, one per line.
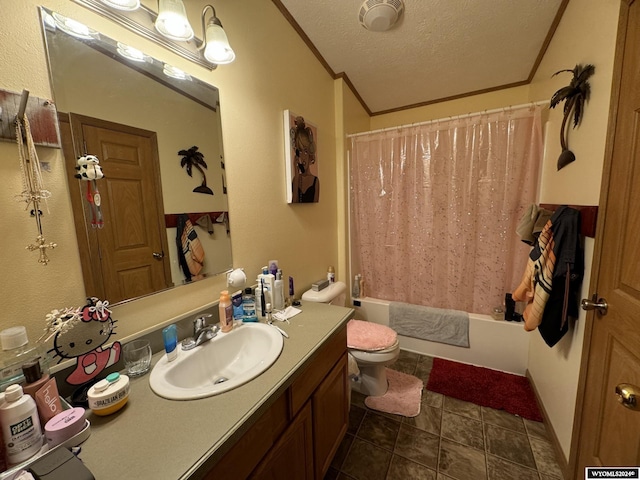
point(434, 208)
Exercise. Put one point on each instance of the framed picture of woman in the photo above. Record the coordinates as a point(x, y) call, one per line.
point(301, 152)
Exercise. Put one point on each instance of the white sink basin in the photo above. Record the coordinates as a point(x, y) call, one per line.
point(221, 364)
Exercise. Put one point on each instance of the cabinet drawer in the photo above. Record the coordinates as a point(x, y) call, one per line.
point(321, 365)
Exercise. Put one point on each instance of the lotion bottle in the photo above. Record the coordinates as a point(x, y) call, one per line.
point(225, 312)
point(278, 292)
point(259, 300)
point(20, 425)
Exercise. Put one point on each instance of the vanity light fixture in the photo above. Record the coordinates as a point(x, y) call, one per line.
point(174, 72)
point(126, 5)
point(132, 53)
point(149, 24)
point(216, 45)
point(73, 27)
point(172, 21)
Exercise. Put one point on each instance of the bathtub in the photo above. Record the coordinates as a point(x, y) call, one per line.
point(495, 344)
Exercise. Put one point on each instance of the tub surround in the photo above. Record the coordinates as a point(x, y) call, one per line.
point(155, 438)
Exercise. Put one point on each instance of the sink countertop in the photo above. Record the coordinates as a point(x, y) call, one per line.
point(154, 438)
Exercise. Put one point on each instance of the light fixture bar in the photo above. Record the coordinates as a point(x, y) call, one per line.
point(142, 22)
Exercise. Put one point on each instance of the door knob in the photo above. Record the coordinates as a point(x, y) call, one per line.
point(600, 305)
point(158, 255)
point(628, 395)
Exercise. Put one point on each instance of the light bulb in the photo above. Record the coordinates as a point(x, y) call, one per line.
point(218, 50)
point(172, 21)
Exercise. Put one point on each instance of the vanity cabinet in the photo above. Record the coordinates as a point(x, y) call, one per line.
point(300, 432)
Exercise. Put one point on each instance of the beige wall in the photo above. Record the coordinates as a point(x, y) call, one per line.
point(274, 70)
point(460, 106)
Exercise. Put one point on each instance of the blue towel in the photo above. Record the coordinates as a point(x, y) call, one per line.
point(427, 323)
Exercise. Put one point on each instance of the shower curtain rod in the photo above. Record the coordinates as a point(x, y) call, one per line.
point(454, 117)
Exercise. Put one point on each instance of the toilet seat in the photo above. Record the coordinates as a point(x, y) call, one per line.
point(370, 337)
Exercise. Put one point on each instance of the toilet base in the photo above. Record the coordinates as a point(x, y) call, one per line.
point(372, 381)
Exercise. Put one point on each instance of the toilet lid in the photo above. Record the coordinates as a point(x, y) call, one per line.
point(363, 335)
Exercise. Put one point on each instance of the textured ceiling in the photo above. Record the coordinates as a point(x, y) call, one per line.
point(439, 49)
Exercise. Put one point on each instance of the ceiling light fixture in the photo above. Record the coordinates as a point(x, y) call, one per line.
point(126, 5)
point(380, 15)
point(216, 44)
point(172, 21)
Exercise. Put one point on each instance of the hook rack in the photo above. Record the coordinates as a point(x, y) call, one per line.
point(23, 105)
point(40, 111)
point(588, 215)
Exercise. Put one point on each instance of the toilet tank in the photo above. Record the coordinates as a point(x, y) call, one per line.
point(334, 294)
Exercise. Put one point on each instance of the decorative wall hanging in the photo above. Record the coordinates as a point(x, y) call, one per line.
point(80, 333)
point(193, 158)
point(303, 184)
point(34, 191)
point(574, 96)
point(89, 170)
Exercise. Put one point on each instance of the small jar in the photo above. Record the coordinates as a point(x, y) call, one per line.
point(498, 313)
point(109, 395)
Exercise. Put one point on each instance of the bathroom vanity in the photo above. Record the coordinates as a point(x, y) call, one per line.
point(286, 423)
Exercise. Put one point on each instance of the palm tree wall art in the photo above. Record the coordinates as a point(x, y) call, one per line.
point(574, 96)
point(192, 158)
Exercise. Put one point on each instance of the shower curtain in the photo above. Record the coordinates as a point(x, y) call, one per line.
point(434, 208)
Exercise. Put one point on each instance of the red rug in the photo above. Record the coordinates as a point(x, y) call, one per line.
point(486, 387)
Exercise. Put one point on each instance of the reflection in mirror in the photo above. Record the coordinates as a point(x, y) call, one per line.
point(135, 114)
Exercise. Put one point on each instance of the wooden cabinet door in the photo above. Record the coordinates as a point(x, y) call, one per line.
point(292, 455)
point(330, 415)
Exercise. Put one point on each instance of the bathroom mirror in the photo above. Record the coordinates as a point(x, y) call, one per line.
point(135, 114)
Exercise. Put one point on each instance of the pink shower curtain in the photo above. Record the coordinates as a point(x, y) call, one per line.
point(435, 208)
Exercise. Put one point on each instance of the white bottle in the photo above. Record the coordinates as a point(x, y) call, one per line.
point(278, 292)
point(259, 301)
point(20, 425)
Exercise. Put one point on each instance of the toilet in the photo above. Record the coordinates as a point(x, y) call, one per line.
point(372, 346)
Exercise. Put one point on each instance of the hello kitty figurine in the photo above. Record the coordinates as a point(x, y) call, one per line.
point(85, 340)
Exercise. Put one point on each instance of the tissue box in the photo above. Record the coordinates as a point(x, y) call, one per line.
point(319, 285)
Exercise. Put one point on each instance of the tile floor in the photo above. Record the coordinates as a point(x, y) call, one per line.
point(450, 439)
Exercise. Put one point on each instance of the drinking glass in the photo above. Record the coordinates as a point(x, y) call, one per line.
point(137, 357)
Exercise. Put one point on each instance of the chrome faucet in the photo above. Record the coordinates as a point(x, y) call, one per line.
point(201, 333)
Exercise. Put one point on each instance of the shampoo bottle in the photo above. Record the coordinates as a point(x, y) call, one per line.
point(20, 425)
point(225, 312)
point(278, 292)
